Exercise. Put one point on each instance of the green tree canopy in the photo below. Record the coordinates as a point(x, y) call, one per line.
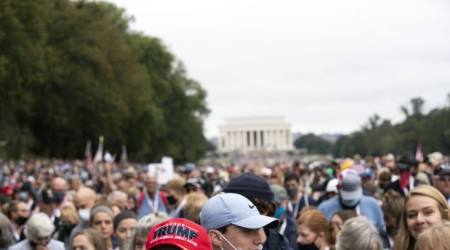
point(72, 70)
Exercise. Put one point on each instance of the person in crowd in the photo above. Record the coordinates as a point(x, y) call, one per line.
point(314, 231)
point(351, 197)
point(143, 228)
point(6, 233)
point(435, 160)
point(193, 185)
point(257, 190)
point(176, 198)
point(331, 190)
point(435, 238)
point(151, 200)
point(68, 220)
point(124, 227)
point(425, 207)
point(18, 213)
point(340, 217)
point(194, 203)
point(296, 202)
point(84, 200)
point(132, 203)
point(359, 233)
point(38, 231)
point(185, 235)
point(280, 198)
point(442, 180)
point(393, 206)
point(47, 203)
point(88, 239)
point(407, 167)
point(119, 199)
point(102, 219)
point(234, 222)
point(59, 187)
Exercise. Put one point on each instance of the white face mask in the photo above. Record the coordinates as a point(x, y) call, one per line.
point(260, 247)
point(84, 214)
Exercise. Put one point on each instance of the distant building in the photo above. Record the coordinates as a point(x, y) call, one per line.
point(255, 134)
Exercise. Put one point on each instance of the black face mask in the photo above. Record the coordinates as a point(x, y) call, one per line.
point(58, 197)
point(171, 200)
point(292, 192)
point(21, 220)
point(310, 246)
point(66, 227)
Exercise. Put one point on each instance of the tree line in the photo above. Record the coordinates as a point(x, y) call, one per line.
point(71, 71)
point(380, 136)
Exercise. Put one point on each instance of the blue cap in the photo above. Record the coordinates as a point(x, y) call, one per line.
point(230, 208)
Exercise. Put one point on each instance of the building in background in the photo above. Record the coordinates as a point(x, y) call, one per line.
point(248, 134)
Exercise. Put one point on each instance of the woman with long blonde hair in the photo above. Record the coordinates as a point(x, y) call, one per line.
point(425, 207)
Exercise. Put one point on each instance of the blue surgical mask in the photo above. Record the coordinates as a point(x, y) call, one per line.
point(279, 212)
point(350, 204)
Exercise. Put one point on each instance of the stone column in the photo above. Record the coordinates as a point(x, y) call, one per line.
point(258, 139)
point(280, 139)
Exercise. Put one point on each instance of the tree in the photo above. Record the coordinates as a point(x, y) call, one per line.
point(314, 144)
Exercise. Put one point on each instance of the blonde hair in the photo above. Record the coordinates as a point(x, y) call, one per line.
point(194, 204)
point(434, 238)
point(404, 240)
point(317, 223)
point(176, 184)
point(69, 213)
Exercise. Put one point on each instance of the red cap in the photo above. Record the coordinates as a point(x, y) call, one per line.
point(178, 232)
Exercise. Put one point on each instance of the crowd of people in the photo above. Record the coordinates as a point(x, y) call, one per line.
point(372, 203)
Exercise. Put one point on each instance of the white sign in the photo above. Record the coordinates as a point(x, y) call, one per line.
point(163, 171)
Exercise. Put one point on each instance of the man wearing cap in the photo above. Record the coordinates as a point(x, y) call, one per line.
point(407, 167)
point(233, 222)
point(351, 196)
point(442, 180)
point(257, 190)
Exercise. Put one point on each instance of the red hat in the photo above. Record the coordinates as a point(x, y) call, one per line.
point(178, 232)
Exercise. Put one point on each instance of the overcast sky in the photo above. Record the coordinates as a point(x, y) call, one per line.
point(325, 65)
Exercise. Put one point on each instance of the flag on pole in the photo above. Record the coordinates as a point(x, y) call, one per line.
point(88, 154)
point(123, 156)
point(99, 155)
point(419, 152)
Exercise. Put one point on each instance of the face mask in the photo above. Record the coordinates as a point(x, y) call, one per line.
point(21, 220)
point(292, 192)
point(279, 212)
point(84, 214)
point(260, 247)
point(171, 200)
point(58, 197)
point(310, 246)
point(349, 204)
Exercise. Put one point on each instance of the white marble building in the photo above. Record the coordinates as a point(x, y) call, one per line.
point(255, 134)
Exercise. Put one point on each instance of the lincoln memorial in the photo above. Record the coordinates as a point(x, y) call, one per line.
point(255, 134)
